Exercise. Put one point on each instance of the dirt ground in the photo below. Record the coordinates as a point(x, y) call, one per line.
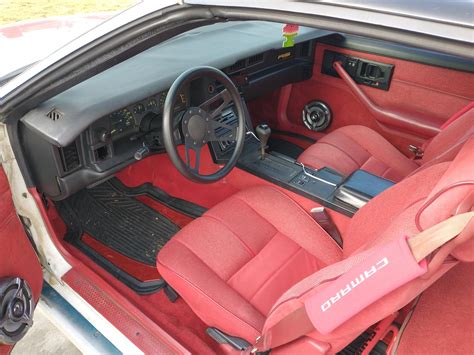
point(17, 10)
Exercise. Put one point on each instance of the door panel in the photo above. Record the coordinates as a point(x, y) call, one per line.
point(430, 92)
point(17, 256)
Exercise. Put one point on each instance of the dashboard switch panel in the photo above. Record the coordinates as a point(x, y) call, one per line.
point(363, 71)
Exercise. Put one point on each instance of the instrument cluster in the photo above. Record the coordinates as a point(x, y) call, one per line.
point(127, 120)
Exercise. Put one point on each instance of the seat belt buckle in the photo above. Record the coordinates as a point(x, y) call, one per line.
point(321, 217)
point(416, 150)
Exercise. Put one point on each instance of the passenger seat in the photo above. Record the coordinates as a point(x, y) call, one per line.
point(358, 147)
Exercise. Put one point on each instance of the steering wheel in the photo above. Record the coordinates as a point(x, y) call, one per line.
point(199, 123)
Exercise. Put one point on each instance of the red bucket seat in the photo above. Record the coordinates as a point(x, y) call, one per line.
point(250, 257)
point(358, 147)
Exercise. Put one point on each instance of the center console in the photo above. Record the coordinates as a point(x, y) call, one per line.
point(325, 186)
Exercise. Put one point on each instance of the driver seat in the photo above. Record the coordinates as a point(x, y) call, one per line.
point(244, 259)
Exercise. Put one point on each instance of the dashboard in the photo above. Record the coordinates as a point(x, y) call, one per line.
point(89, 132)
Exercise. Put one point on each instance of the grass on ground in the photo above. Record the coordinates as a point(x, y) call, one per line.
point(17, 10)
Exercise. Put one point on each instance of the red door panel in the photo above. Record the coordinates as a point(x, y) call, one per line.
point(429, 92)
point(17, 257)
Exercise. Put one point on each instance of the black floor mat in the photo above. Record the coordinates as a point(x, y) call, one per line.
point(188, 208)
point(121, 222)
point(110, 214)
point(284, 147)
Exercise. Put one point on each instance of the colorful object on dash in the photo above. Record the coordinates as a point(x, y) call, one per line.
point(290, 32)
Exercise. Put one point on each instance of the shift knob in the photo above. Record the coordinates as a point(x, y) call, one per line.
point(263, 132)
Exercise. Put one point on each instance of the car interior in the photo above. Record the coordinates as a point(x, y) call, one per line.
point(214, 179)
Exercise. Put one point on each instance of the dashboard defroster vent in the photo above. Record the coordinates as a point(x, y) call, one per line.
point(54, 115)
point(70, 157)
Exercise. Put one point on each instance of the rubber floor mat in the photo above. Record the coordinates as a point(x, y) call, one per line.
point(118, 221)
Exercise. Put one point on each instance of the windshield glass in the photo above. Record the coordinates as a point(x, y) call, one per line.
point(30, 30)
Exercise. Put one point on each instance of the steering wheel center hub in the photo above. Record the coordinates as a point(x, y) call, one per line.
point(196, 125)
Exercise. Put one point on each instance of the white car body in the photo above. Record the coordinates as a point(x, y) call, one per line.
point(55, 265)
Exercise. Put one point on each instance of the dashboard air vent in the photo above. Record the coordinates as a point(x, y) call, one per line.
point(229, 118)
point(306, 49)
point(239, 65)
point(69, 157)
point(255, 59)
point(54, 115)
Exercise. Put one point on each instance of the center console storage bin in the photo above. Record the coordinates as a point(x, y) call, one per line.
point(360, 187)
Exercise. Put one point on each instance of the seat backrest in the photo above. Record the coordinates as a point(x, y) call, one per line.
point(419, 201)
point(448, 142)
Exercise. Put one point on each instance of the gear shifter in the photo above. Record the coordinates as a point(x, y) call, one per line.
point(263, 132)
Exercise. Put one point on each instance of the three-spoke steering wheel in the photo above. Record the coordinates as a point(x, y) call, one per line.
point(199, 124)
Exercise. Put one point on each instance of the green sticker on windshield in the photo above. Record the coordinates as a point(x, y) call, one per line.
point(289, 34)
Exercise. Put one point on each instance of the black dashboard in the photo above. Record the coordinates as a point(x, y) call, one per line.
point(129, 133)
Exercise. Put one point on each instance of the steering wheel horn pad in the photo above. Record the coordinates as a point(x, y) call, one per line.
point(196, 125)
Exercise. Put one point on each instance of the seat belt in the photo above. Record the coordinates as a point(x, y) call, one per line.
point(355, 287)
point(427, 241)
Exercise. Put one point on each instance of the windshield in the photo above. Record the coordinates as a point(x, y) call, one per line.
point(30, 30)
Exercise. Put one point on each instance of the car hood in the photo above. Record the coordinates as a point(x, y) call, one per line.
point(26, 42)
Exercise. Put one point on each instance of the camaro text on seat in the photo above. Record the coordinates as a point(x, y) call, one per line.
point(354, 283)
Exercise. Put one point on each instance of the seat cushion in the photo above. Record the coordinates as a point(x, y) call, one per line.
point(357, 147)
point(234, 262)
